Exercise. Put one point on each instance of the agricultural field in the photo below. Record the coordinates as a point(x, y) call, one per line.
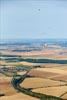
point(33, 74)
point(33, 49)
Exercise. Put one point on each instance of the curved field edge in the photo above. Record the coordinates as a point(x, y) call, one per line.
point(16, 84)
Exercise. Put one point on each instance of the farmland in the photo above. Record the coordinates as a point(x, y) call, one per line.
point(38, 73)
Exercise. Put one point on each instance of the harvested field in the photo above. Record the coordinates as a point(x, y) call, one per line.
point(55, 91)
point(6, 87)
point(64, 96)
point(60, 77)
point(50, 78)
point(18, 96)
point(51, 65)
point(53, 70)
point(41, 74)
point(15, 63)
point(40, 82)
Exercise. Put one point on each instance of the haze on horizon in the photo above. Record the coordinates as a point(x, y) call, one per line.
point(33, 19)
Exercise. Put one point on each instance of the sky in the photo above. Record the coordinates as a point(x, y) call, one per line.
point(21, 19)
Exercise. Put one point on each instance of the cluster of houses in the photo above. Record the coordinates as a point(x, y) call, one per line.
point(12, 68)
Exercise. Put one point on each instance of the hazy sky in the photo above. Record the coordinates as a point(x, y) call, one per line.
point(33, 19)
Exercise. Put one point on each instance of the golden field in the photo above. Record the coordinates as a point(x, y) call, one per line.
point(48, 78)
